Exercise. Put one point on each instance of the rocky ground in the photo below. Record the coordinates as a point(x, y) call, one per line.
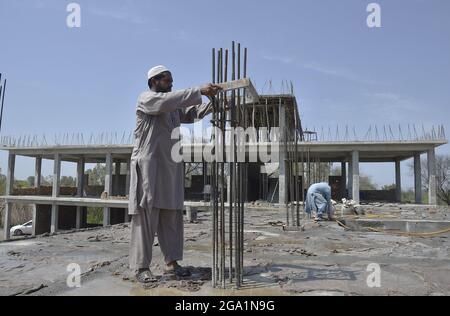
point(324, 259)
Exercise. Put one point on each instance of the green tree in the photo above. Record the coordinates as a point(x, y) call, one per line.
point(388, 187)
point(366, 183)
point(47, 181)
point(442, 177)
point(97, 175)
point(30, 181)
point(2, 183)
point(21, 184)
point(68, 181)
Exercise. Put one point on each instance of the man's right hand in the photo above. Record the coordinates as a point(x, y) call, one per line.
point(210, 90)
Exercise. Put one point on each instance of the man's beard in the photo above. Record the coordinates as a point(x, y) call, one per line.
point(163, 89)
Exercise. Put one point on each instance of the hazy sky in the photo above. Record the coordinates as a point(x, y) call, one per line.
point(87, 79)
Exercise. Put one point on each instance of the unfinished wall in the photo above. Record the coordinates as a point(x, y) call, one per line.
point(67, 217)
point(117, 215)
point(338, 187)
point(42, 220)
point(119, 185)
point(195, 191)
point(378, 195)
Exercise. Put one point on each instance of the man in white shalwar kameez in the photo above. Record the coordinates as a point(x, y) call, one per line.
point(156, 181)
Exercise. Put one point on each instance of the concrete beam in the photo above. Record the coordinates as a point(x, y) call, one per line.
point(56, 174)
point(432, 181)
point(418, 178)
point(38, 172)
point(66, 201)
point(398, 181)
point(355, 173)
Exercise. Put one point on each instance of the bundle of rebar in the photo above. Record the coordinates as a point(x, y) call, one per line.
point(2, 99)
point(297, 162)
point(228, 113)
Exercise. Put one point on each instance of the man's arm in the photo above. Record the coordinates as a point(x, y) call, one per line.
point(190, 114)
point(153, 103)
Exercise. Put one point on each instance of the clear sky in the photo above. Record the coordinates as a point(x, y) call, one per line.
point(87, 79)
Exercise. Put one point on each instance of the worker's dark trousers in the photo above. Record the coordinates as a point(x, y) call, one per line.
point(168, 224)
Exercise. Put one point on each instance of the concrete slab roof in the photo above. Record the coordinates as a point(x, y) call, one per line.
point(325, 151)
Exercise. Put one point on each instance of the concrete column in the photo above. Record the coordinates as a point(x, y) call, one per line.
point(355, 173)
point(418, 178)
point(34, 206)
point(10, 174)
point(56, 175)
point(282, 183)
point(344, 179)
point(228, 189)
point(38, 173)
point(7, 221)
point(8, 191)
point(350, 179)
point(54, 219)
point(80, 177)
point(80, 185)
point(127, 179)
point(205, 180)
point(432, 181)
point(108, 176)
point(127, 218)
point(108, 189)
point(398, 181)
point(79, 219)
point(115, 190)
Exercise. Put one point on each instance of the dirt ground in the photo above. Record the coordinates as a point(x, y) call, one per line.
point(324, 259)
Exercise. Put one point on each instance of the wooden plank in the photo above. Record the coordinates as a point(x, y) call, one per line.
point(251, 94)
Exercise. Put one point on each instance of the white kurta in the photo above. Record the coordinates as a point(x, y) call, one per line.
point(155, 179)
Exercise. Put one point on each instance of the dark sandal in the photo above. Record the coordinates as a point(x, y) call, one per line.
point(145, 277)
point(178, 271)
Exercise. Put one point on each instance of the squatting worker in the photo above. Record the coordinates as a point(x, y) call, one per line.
point(156, 183)
point(318, 199)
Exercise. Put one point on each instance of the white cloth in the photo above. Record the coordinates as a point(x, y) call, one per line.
point(168, 225)
point(156, 71)
point(155, 179)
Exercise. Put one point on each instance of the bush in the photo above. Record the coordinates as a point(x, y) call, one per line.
point(95, 215)
point(20, 214)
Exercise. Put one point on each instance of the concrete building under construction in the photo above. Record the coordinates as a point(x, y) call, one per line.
point(64, 208)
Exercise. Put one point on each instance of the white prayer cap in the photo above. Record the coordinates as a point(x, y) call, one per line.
point(156, 71)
